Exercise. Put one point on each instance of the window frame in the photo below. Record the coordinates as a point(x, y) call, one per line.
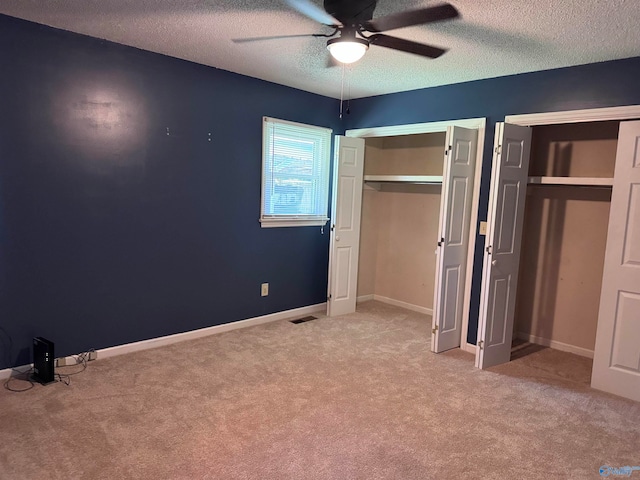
point(323, 134)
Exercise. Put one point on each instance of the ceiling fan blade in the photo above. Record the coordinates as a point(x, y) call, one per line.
point(314, 12)
point(412, 17)
point(406, 45)
point(273, 37)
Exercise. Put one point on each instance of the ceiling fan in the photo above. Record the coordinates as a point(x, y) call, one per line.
point(356, 29)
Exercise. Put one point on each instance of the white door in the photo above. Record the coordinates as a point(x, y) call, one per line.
point(345, 225)
point(502, 246)
point(453, 237)
point(616, 360)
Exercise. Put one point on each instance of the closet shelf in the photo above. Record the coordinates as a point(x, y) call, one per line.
point(419, 179)
point(580, 181)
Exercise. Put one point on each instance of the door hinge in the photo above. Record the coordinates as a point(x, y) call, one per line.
point(488, 249)
point(481, 345)
point(329, 297)
point(434, 330)
point(441, 242)
point(498, 149)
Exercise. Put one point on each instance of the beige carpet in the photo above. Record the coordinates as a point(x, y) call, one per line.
point(353, 397)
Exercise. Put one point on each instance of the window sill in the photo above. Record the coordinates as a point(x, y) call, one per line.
point(292, 222)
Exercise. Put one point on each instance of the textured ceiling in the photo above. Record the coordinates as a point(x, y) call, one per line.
point(492, 38)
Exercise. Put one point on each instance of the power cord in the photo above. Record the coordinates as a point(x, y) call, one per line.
point(81, 359)
point(7, 384)
point(63, 378)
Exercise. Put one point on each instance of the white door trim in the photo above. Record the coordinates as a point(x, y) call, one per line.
point(575, 116)
point(415, 128)
point(433, 127)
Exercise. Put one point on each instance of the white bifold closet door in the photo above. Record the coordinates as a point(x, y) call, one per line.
point(509, 174)
point(616, 361)
point(453, 237)
point(345, 225)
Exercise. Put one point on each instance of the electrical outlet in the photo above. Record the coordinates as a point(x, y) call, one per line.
point(265, 289)
point(483, 228)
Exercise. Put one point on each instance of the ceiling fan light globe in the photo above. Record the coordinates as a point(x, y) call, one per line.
point(347, 51)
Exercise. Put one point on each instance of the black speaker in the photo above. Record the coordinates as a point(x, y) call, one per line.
point(43, 361)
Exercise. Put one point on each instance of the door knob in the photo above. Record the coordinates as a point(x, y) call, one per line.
point(337, 239)
point(494, 262)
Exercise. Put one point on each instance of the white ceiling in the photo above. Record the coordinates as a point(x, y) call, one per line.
point(492, 38)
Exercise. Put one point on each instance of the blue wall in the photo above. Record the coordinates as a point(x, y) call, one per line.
point(588, 86)
point(112, 231)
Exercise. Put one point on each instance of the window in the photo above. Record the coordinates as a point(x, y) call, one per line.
point(295, 174)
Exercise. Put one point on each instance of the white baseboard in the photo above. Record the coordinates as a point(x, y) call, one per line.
point(181, 337)
point(12, 372)
point(565, 347)
point(204, 332)
point(468, 347)
point(396, 303)
point(364, 298)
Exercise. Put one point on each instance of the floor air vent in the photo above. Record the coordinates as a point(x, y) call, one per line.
point(303, 319)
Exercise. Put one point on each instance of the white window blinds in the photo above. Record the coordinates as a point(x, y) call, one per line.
point(295, 173)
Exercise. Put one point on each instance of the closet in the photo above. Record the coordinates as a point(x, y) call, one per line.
point(546, 237)
point(564, 234)
point(400, 219)
point(562, 249)
point(401, 225)
point(421, 206)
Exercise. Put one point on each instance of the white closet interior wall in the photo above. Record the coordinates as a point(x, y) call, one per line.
point(400, 221)
point(564, 236)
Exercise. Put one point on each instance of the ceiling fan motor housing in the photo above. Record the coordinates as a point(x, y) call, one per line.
point(347, 38)
point(350, 12)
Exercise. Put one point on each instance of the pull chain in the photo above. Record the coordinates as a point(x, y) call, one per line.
point(342, 90)
point(349, 91)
